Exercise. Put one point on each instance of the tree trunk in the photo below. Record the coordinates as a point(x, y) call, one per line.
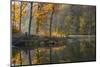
point(50, 33)
point(29, 56)
point(51, 21)
point(20, 58)
point(37, 32)
point(20, 17)
point(37, 27)
point(14, 16)
point(30, 21)
point(37, 22)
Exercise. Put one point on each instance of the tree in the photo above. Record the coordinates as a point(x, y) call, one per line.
point(20, 16)
point(18, 11)
point(30, 21)
point(52, 12)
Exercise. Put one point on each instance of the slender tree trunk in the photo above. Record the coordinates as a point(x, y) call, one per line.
point(20, 58)
point(14, 16)
point(51, 19)
point(15, 24)
point(20, 17)
point(37, 22)
point(37, 32)
point(37, 27)
point(38, 55)
point(29, 53)
point(30, 21)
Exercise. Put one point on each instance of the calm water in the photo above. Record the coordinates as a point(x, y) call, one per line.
point(70, 50)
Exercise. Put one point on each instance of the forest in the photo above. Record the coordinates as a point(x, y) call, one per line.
point(50, 33)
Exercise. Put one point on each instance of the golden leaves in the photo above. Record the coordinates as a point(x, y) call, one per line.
point(41, 12)
point(48, 8)
point(82, 23)
point(37, 14)
point(16, 59)
point(16, 11)
point(40, 15)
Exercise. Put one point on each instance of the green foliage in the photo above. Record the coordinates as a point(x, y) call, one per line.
point(15, 30)
point(14, 52)
point(36, 43)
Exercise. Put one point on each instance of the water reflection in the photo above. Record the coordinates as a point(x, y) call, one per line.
point(71, 50)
